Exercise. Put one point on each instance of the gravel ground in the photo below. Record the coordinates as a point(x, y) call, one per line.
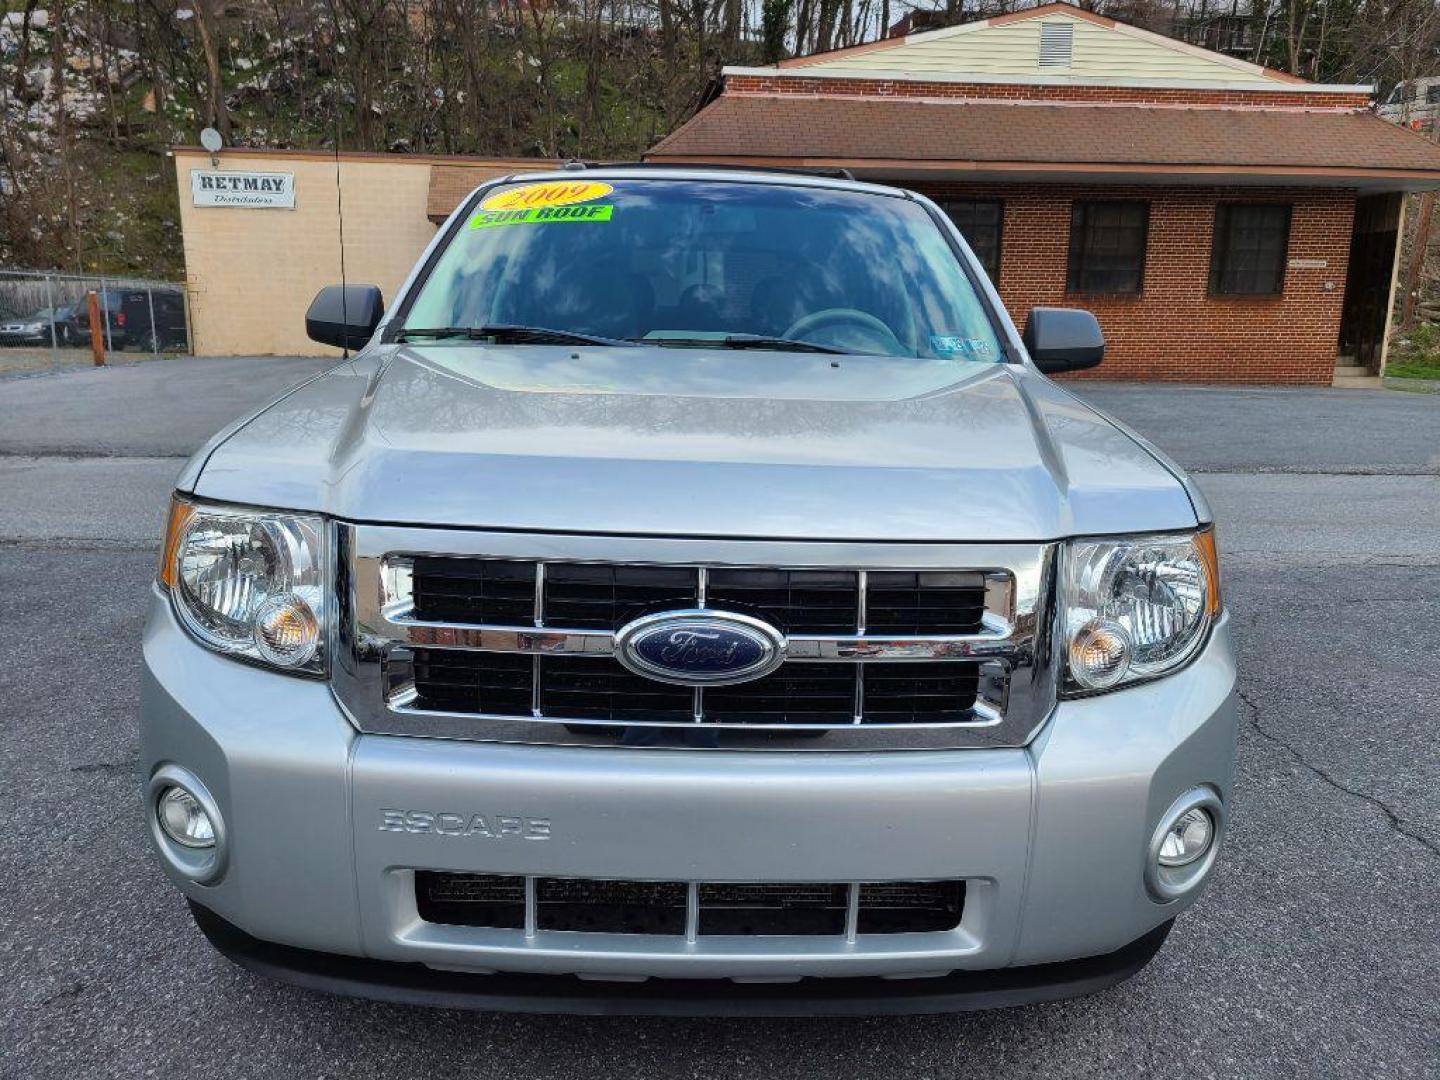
point(27, 360)
point(1312, 955)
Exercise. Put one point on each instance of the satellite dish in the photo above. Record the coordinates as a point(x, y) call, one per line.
point(210, 140)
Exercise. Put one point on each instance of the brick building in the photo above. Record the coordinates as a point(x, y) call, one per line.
point(1226, 222)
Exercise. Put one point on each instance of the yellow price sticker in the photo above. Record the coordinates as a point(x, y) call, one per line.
point(551, 193)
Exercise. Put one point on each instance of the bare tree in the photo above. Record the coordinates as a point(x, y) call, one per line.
point(22, 65)
point(216, 112)
point(59, 22)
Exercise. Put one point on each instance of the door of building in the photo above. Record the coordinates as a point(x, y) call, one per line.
point(1368, 279)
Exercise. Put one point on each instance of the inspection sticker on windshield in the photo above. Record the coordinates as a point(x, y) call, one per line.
point(489, 219)
point(969, 348)
point(554, 193)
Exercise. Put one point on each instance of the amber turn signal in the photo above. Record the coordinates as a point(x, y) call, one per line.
point(1205, 546)
point(180, 514)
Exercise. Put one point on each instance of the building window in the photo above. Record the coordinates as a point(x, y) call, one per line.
point(1247, 257)
point(979, 221)
point(1107, 247)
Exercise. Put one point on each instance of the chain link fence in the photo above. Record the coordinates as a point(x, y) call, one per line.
point(49, 319)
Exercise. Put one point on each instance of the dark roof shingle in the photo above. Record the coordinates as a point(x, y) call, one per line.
point(753, 126)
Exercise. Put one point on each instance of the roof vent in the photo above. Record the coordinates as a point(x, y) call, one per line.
point(1057, 40)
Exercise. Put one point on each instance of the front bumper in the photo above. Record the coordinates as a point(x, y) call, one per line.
point(1050, 839)
point(415, 984)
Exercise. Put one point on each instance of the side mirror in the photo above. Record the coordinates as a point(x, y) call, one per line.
point(344, 315)
point(1063, 339)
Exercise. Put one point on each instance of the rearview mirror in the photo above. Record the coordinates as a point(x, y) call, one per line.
point(1063, 339)
point(344, 315)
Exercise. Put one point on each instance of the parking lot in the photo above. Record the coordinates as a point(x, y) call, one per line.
point(1313, 954)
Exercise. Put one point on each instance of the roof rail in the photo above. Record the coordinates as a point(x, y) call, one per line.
point(831, 172)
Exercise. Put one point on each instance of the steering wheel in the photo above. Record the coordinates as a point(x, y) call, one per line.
point(806, 327)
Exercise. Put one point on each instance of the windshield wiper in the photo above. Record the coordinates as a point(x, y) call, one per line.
point(511, 335)
point(744, 341)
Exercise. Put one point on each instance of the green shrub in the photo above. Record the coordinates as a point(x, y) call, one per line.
point(1416, 355)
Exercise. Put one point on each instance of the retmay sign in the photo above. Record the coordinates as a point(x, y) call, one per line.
point(254, 190)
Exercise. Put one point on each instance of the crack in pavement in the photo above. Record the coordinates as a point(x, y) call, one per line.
point(1397, 823)
point(131, 767)
point(1259, 560)
point(1300, 470)
point(69, 993)
point(68, 543)
point(82, 453)
point(49, 454)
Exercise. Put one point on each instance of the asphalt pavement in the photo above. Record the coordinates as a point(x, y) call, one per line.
point(1315, 952)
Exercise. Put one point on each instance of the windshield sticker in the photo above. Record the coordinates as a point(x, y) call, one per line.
point(554, 193)
point(947, 345)
point(489, 219)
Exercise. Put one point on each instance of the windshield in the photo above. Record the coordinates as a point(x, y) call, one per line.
point(672, 262)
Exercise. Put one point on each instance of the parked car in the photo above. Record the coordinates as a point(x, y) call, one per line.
point(111, 301)
point(1414, 103)
point(168, 330)
point(694, 585)
point(34, 329)
point(64, 316)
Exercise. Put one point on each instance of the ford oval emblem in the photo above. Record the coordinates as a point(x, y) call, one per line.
point(700, 648)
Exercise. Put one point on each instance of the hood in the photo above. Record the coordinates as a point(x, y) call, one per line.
point(722, 443)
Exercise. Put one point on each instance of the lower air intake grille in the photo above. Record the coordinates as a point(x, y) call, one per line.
point(773, 909)
point(751, 909)
point(471, 899)
point(610, 907)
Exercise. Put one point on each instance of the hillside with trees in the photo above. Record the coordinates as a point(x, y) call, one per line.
point(92, 92)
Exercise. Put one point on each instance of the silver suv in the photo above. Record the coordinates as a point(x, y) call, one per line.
point(692, 597)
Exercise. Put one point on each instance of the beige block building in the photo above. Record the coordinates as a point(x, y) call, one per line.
point(252, 270)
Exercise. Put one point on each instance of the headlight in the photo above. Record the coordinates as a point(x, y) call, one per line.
point(249, 583)
point(1135, 608)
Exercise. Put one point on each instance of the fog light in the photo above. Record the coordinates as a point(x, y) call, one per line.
point(184, 819)
point(286, 631)
point(1099, 654)
point(186, 824)
point(1184, 845)
point(1187, 838)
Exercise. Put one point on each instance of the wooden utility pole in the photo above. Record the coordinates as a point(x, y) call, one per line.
point(1415, 270)
point(97, 335)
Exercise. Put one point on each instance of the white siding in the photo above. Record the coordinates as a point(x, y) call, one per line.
point(1014, 49)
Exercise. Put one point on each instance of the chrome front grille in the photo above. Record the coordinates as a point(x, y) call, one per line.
point(511, 637)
